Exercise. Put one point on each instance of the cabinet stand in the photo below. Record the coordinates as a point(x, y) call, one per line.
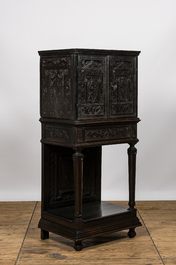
point(88, 99)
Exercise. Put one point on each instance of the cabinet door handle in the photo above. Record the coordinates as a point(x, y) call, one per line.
point(114, 86)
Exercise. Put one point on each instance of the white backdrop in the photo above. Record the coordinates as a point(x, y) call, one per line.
point(32, 25)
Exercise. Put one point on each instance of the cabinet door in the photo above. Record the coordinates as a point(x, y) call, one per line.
point(123, 86)
point(91, 87)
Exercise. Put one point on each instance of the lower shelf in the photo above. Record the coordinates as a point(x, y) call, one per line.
point(98, 218)
point(90, 211)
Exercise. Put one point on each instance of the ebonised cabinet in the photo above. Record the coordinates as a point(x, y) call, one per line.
point(88, 98)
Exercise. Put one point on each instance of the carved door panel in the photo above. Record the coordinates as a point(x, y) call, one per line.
point(91, 87)
point(122, 87)
point(56, 93)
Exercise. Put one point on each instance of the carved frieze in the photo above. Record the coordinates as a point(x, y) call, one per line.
point(107, 133)
point(61, 134)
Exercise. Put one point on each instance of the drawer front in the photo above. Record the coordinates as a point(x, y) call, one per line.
point(123, 86)
point(118, 132)
point(91, 84)
point(57, 133)
point(102, 133)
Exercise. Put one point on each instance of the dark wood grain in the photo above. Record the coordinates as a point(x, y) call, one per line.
point(88, 99)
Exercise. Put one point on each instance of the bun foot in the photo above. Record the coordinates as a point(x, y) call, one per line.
point(78, 246)
point(131, 233)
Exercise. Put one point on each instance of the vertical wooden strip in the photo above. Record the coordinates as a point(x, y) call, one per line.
point(78, 182)
point(132, 151)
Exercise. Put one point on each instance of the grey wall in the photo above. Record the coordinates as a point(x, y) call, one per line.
point(32, 25)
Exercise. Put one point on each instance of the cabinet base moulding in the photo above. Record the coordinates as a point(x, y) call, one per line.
point(90, 227)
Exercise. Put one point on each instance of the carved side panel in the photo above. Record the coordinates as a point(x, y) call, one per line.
point(56, 90)
point(122, 86)
point(91, 81)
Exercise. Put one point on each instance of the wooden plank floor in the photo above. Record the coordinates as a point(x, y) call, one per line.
point(155, 242)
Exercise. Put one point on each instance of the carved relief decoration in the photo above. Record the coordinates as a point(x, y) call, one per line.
point(56, 87)
point(122, 108)
point(92, 110)
point(90, 86)
point(57, 133)
point(107, 133)
point(80, 135)
point(122, 89)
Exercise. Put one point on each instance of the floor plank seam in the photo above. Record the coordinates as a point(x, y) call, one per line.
point(150, 237)
point(26, 233)
point(93, 259)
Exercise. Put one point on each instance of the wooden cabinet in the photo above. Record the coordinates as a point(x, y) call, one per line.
point(88, 99)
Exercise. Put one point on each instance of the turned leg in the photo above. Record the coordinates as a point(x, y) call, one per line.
point(78, 246)
point(132, 151)
point(44, 234)
point(131, 233)
point(78, 189)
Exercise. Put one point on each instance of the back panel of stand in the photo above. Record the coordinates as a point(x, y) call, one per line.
point(59, 179)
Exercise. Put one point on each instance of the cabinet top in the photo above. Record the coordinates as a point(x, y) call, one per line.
point(88, 51)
